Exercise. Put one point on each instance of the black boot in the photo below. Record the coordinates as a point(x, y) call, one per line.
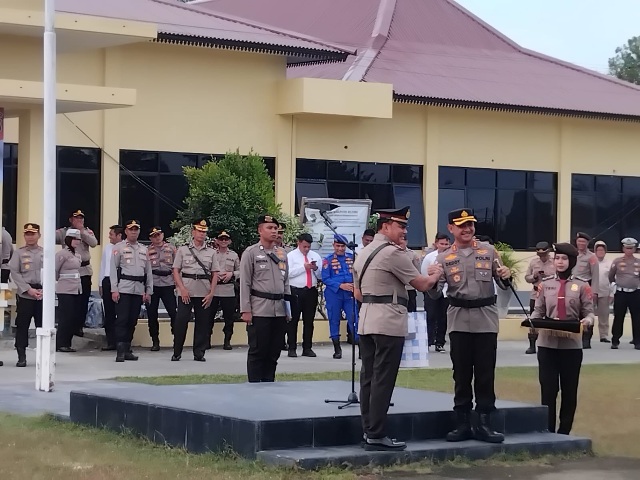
point(485, 433)
point(22, 358)
point(587, 333)
point(463, 428)
point(155, 347)
point(227, 342)
point(120, 348)
point(337, 349)
point(128, 353)
point(533, 338)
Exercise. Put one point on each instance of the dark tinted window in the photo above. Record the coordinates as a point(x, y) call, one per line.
point(311, 169)
point(139, 161)
point(450, 177)
point(512, 179)
point(375, 172)
point(407, 174)
point(542, 180)
point(343, 171)
point(481, 177)
point(175, 162)
point(79, 158)
point(582, 183)
point(411, 195)
point(10, 187)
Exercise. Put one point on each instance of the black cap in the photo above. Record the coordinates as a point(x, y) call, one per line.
point(155, 231)
point(542, 247)
point(132, 224)
point(392, 215)
point(583, 235)
point(281, 227)
point(77, 213)
point(461, 216)
point(565, 249)
point(224, 234)
point(31, 228)
point(201, 225)
point(267, 219)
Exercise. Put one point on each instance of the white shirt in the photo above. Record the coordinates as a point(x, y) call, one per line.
point(606, 289)
point(430, 259)
point(297, 272)
point(105, 264)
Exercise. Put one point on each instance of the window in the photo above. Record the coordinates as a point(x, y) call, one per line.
point(79, 185)
point(10, 187)
point(607, 207)
point(153, 186)
point(385, 184)
point(512, 206)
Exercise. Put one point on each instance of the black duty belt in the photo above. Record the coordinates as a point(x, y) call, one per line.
point(37, 286)
point(86, 263)
point(385, 299)
point(161, 273)
point(5, 261)
point(270, 296)
point(134, 278)
point(196, 276)
point(477, 303)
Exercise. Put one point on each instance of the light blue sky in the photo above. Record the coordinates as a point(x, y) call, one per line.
point(585, 32)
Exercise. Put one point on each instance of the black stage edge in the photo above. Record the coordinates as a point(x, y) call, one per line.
point(288, 423)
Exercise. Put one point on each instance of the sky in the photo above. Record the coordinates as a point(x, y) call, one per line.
point(585, 32)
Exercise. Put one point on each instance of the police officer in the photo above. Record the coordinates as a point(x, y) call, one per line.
point(195, 273)
point(26, 267)
point(225, 294)
point(625, 272)
point(337, 276)
point(161, 255)
point(280, 240)
point(68, 289)
point(470, 268)
point(417, 261)
point(381, 272)
point(5, 253)
point(562, 297)
point(264, 300)
point(131, 285)
point(76, 220)
point(587, 269)
point(541, 266)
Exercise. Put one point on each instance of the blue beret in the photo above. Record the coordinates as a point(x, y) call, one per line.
point(337, 238)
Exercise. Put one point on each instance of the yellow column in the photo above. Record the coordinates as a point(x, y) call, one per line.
point(564, 184)
point(30, 178)
point(430, 176)
point(286, 163)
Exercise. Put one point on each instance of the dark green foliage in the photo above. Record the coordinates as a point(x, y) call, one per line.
point(626, 64)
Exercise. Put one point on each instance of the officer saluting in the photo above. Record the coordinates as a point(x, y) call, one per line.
point(194, 271)
point(161, 255)
point(381, 272)
point(472, 320)
point(131, 284)
point(264, 300)
point(337, 276)
point(625, 272)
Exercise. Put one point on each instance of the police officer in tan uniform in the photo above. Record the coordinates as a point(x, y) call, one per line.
point(131, 285)
point(470, 268)
point(541, 266)
point(562, 297)
point(417, 262)
point(68, 289)
point(195, 273)
point(225, 295)
point(381, 272)
point(26, 267)
point(586, 269)
point(6, 251)
point(625, 272)
point(264, 300)
point(76, 220)
point(161, 255)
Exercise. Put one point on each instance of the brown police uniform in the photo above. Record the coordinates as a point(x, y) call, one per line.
point(69, 292)
point(536, 271)
point(265, 293)
point(625, 272)
point(5, 254)
point(225, 295)
point(164, 288)
point(413, 295)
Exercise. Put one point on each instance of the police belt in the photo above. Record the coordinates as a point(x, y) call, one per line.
point(85, 263)
point(133, 278)
point(196, 276)
point(69, 275)
point(476, 303)
point(385, 299)
point(626, 290)
point(37, 286)
point(270, 296)
point(161, 273)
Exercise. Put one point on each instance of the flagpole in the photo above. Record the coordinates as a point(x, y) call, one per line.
point(46, 336)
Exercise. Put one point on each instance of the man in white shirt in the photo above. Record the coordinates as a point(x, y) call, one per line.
point(115, 236)
point(605, 291)
point(436, 308)
point(304, 273)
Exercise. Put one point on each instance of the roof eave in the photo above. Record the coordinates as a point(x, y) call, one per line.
point(501, 107)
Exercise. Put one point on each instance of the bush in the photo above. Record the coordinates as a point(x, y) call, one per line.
point(508, 260)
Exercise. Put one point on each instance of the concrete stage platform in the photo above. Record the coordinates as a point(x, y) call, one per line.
point(288, 423)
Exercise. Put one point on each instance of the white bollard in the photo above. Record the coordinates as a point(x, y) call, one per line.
point(45, 359)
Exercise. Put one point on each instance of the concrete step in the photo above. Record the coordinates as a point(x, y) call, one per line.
point(534, 444)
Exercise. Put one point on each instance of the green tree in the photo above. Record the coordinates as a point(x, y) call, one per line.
point(626, 64)
point(230, 194)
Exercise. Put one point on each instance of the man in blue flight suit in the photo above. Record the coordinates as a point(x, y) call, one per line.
point(337, 276)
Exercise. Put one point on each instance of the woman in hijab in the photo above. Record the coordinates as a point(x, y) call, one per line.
point(68, 289)
point(561, 298)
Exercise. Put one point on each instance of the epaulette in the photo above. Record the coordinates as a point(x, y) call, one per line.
point(579, 278)
point(548, 277)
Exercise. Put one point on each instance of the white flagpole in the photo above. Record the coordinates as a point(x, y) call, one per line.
point(46, 347)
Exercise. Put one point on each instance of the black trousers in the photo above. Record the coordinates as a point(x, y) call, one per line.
point(436, 309)
point(68, 306)
point(85, 281)
point(381, 355)
point(4, 275)
point(304, 302)
point(168, 296)
point(265, 335)
point(228, 306)
point(200, 329)
point(474, 361)
point(412, 306)
point(559, 370)
point(623, 301)
point(109, 312)
point(25, 311)
point(127, 313)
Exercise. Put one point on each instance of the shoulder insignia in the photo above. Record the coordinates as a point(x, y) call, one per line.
point(581, 279)
point(482, 251)
point(115, 252)
point(593, 260)
point(325, 263)
point(450, 257)
point(548, 277)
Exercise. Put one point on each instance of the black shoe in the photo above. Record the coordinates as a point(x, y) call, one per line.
point(292, 354)
point(463, 430)
point(22, 358)
point(1, 363)
point(285, 347)
point(637, 346)
point(384, 444)
point(199, 359)
point(440, 349)
point(128, 354)
point(79, 333)
point(156, 345)
point(227, 346)
point(208, 347)
point(337, 349)
point(308, 353)
point(615, 345)
point(120, 349)
point(632, 342)
point(108, 348)
point(175, 358)
point(605, 340)
point(485, 433)
point(533, 338)
point(20, 363)
point(65, 349)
